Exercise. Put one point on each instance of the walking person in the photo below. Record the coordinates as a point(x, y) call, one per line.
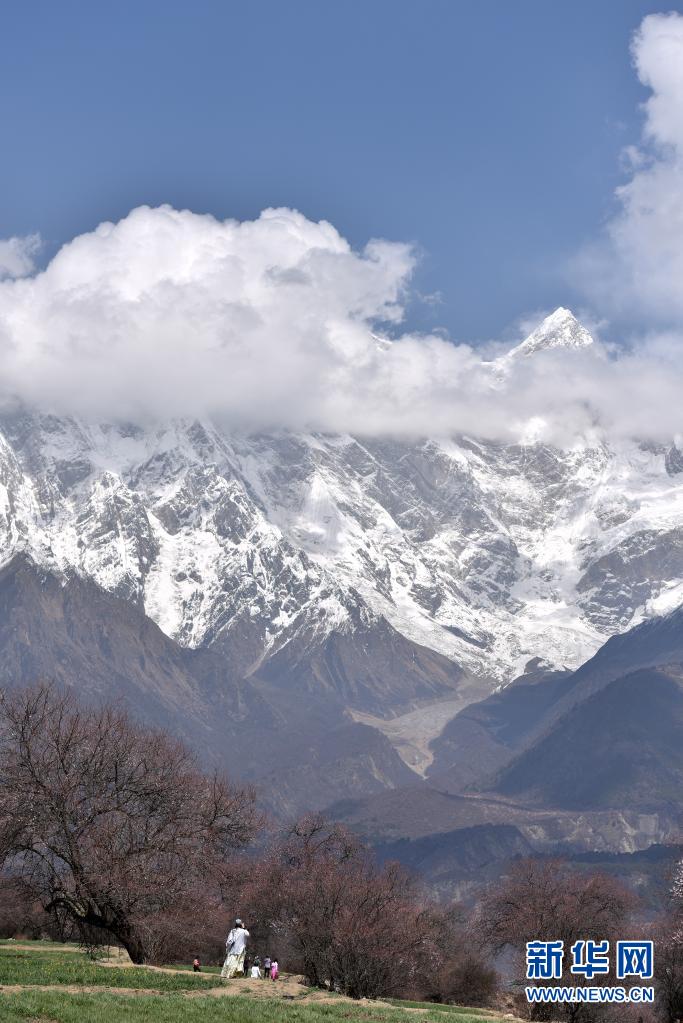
point(266, 968)
point(235, 949)
point(255, 972)
point(274, 970)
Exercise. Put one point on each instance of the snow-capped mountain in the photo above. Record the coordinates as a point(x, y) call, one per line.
point(559, 330)
point(487, 554)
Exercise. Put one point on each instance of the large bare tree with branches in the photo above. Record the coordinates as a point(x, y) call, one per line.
point(547, 900)
point(109, 822)
point(344, 921)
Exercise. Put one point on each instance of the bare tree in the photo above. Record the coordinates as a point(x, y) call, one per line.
point(668, 967)
point(110, 822)
point(546, 901)
point(463, 973)
point(345, 922)
point(20, 912)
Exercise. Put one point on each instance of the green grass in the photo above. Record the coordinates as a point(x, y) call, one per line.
point(188, 969)
point(41, 965)
point(456, 1010)
point(49, 946)
point(45, 963)
point(55, 1007)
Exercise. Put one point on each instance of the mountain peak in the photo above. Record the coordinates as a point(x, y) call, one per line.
point(559, 330)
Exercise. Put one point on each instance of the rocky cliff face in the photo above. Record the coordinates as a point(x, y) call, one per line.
point(276, 546)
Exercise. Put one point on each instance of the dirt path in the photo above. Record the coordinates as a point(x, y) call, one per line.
point(286, 987)
point(24, 946)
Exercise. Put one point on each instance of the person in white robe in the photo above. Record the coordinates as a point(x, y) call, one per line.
point(235, 948)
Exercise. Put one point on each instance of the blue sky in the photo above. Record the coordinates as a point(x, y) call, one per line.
point(488, 134)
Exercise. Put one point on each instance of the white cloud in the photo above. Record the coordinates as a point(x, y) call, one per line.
point(273, 323)
point(169, 311)
point(16, 256)
point(636, 269)
point(277, 322)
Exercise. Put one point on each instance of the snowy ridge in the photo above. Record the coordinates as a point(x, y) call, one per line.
point(559, 330)
point(490, 554)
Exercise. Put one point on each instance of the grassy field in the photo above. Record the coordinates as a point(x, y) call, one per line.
point(56, 1007)
point(215, 970)
point(45, 983)
point(481, 1015)
point(44, 965)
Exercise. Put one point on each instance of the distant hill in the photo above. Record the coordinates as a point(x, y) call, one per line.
point(620, 747)
point(303, 753)
point(484, 739)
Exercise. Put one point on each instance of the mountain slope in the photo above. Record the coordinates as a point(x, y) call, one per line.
point(486, 736)
point(487, 554)
point(620, 748)
point(607, 735)
point(576, 761)
point(353, 760)
point(455, 861)
point(79, 636)
point(75, 634)
point(368, 666)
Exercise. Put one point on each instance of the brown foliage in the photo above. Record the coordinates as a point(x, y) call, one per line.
point(340, 919)
point(459, 971)
point(110, 822)
point(668, 966)
point(544, 900)
point(21, 914)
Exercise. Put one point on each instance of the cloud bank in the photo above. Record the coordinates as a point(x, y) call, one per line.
point(279, 323)
point(636, 269)
point(17, 256)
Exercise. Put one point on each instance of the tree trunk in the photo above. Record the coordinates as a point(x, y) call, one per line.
point(132, 943)
point(120, 929)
